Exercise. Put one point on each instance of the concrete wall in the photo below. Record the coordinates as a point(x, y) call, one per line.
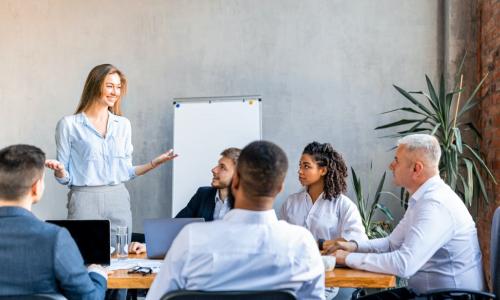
point(324, 69)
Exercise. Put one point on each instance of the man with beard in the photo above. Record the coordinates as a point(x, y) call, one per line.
point(209, 202)
point(213, 202)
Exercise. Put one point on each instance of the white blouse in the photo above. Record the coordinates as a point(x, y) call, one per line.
point(325, 219)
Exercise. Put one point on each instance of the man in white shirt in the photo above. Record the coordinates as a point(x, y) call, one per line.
point(249, 249)
point(435, 245)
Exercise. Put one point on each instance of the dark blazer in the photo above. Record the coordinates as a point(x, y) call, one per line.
point(37, 257)
point(201, 205)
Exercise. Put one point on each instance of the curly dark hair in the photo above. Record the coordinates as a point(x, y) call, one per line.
point(335, 178)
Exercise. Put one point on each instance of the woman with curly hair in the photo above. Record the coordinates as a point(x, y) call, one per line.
point(321, 206)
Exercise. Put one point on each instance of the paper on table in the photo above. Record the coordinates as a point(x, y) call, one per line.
point(120, 264)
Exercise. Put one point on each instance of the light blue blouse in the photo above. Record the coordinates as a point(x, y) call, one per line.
point(90, 159)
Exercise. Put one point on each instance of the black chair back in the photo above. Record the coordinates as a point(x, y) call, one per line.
point(240, 295)
point(402, 293)
point(494, 255)
point(35, 297)
point(457, 294)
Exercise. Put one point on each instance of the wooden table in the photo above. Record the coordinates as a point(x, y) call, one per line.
point(340, 277)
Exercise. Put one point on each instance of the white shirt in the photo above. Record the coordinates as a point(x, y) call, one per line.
point(247, 250)
point(325, 219)
point(435, 245)
point(221, 207)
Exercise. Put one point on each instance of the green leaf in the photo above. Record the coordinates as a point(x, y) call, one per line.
point(459, 70)
point(377, 195)
point(470, 103)
point(359, 194)
point(398, 123)
point(407, 109)
point(458, 140)
point(466, 191)
point(479, 179)
point(385, 210)
point(472, 127)
point(413, 100)
point(432, 93)
point(442, 97)
point(470, 181)
point(480, 160)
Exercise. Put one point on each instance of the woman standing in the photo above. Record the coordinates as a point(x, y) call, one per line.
point(321, 206)
point(94, 152)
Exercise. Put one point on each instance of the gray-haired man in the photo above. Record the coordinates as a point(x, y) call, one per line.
point(435, 245)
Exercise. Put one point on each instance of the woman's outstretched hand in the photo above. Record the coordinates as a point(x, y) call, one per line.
point(160, 159)
point(55, 165)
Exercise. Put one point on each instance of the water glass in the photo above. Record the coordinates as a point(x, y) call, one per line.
point(121, 241)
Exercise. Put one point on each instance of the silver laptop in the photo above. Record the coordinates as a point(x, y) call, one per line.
point(160, 233)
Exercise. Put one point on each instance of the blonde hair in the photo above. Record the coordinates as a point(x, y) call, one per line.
point(92, 90)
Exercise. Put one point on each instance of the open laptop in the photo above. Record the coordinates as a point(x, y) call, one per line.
point(91, 237)
point(160, 233)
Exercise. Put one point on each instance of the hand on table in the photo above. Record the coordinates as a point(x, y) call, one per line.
point(137, 248)
point(340, 244)
point(340, 256)
point(57, 166)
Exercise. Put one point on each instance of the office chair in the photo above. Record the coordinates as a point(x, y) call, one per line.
point(459, 294)
point(402, 293)
point(494, 257)
point(240, 295)
point(35, 297)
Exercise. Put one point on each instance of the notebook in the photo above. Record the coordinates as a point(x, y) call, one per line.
point(160, 233)
point(92, 238)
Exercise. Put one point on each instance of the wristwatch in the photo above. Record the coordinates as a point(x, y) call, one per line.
point(320, 244)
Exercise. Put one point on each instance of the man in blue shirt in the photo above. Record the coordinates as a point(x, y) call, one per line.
point(37, 257)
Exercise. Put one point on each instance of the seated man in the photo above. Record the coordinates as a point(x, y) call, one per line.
point(435, 245)
point(37, 257)
point(209, 202)
point(212, 203)
point(249, 249)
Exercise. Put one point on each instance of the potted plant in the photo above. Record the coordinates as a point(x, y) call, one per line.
point(367, 209)
point(439, 113)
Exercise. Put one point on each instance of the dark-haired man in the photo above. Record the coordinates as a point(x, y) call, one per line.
point(37, 257)
point(212, 202)
point(209, 202)
point(249, 249)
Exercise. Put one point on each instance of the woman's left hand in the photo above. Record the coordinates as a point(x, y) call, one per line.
point(169, 155)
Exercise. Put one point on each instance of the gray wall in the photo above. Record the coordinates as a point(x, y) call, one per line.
point(324, 69)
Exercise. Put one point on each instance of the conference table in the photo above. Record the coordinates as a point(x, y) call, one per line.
point(339, 277)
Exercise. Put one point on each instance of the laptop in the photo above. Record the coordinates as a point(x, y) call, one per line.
point(160, 233)
point(91, 237)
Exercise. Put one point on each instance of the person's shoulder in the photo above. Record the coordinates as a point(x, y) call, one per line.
point(298, 231)
point(206, 190)
point(121, 119)
point(296, 196)
point(297, 235)
point(344, 202)
point(51, 229)
point(43, 230)
point(69, 120)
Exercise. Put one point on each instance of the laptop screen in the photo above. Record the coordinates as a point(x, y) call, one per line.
point(91, 237)
point(160, 233)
